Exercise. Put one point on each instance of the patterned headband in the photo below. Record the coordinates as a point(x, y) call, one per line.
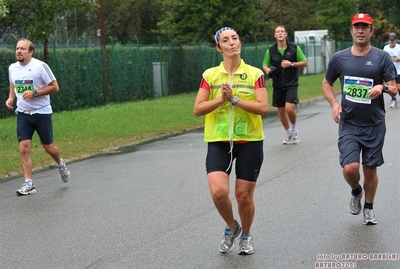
point(218, 33)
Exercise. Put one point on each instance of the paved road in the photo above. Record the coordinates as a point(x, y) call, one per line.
point(150, 207)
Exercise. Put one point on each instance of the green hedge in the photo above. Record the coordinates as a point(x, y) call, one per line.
point(127, 73)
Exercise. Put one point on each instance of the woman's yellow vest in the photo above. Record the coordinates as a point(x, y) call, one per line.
point(231, 122)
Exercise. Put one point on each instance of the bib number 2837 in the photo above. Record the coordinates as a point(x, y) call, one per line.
point(356, 89)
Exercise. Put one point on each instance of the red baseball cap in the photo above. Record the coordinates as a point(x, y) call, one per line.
point(362, 18)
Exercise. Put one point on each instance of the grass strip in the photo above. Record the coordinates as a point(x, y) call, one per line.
point(84, 133)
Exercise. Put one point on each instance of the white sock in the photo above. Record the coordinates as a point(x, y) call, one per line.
point(29, 181)
point(61, 164)
point(289, 131)
point(293, 126)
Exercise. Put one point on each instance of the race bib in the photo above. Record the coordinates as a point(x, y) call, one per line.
point(356, 89)
point(23, 85)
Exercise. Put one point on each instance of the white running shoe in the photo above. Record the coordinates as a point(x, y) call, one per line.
point(369, 217)
point(26, 189)
point(64, 172)
point(295, 136)
point(355, 204)
point(246, 245)
point(287, 140)
point(228, 241)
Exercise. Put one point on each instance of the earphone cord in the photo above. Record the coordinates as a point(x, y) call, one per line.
point(230, 131)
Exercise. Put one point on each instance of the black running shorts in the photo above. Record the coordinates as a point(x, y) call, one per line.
point(248, 159)
point(367, 140)
point(281, 96)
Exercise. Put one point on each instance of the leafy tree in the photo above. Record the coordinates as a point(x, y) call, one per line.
point(294, 14)
point(336, 16)
point(185, 21)
point(385, 14)
point(40, 16)
point(3, 9)
point(193, 21)
point(127, 19)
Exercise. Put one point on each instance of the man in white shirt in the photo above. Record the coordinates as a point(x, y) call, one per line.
point(31, 82)
point(393, 48)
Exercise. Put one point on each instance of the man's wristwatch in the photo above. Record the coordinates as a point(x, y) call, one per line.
point(292, 64)
point(235, 100)
point(385, 88)
point(35, 93)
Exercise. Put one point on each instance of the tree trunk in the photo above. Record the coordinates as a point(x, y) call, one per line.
point(46, 51)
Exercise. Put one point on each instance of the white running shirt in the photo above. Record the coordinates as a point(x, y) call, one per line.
point(35, 75)
point(395, 51)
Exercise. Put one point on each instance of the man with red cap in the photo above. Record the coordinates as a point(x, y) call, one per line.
point(365, 73)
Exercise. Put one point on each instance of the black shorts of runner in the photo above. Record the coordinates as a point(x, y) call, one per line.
point(281, 96)
point(367, 140)
point(41, 123)
point(249, 158)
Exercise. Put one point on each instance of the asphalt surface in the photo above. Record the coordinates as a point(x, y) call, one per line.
point(150, 207)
